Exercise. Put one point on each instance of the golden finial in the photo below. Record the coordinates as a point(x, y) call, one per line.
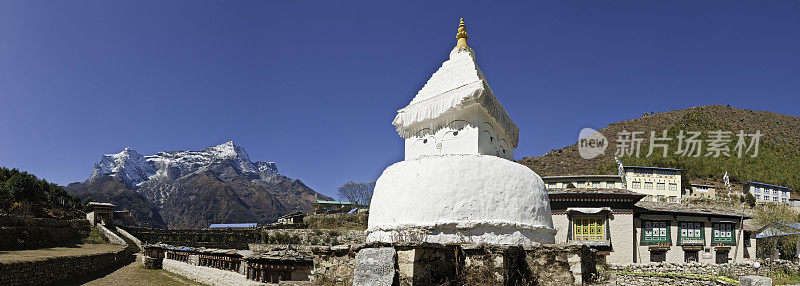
point(461, 35)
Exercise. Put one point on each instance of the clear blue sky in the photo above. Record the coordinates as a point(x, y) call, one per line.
point(314, 86)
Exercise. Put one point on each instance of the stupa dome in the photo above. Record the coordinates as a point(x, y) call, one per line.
point(458, 183)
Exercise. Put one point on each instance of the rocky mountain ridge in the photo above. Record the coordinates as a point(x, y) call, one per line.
point(191, 189)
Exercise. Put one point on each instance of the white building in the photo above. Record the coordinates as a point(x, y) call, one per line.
point(458, 183)
point(659, 184)
point(767, 193)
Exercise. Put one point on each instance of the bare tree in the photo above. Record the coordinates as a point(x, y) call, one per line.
point(359, 193)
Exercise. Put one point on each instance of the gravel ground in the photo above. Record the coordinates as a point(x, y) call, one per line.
point(136, 274)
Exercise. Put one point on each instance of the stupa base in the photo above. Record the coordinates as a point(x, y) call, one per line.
point(454, 199)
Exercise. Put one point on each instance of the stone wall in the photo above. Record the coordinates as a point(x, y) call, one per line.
point(212, 238)
point(435, 264)
point(245, 238)
point(335, 265)
point(33, 233)
point(207, 275)
point(733, 270)
point(60, 269)
point(627, 279)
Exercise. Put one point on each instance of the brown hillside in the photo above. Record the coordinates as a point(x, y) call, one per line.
point(776, 163)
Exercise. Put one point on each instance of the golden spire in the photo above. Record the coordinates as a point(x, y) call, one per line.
point(461, 35)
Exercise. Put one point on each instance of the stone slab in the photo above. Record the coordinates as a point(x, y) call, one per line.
point(755, 281)
point(375, 267)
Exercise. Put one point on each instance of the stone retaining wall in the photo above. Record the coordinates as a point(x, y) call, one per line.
point(628, 279)
point(733, 270)
point(51, 270)
point(433, 264)
point(33, 233)
point(207, 275)
point(245, 238)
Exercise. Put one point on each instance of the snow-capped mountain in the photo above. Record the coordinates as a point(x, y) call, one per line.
point(190, 189)
point(130, 166)
point(134, 169)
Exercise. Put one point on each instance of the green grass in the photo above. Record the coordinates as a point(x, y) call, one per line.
point(95, 237)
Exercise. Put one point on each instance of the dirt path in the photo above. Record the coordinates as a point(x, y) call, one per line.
point(135, 274)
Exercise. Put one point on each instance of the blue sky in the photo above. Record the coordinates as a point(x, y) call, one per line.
point(314, 85)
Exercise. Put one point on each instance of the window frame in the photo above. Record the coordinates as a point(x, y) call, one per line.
point(696, 227)
point(718, 228)
point(577, 228)
point(660, 239)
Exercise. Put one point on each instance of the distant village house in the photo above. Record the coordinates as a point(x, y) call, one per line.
point(659, 184)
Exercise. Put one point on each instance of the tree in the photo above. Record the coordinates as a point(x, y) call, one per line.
point(359, 193)
point(6, 199)
point(774, 216)
point(750, 200)
point(25, 187)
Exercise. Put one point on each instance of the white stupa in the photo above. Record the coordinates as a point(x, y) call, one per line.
point(458, 183)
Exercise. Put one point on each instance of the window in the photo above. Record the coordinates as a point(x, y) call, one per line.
point(691, 233)
point(595, 184)
point(648, 185)
point(756, 190)
point(723, 233)
point(611, 185)
point(659, 186)
point(673, 187)
point(589, 228)
point(656, 231)
point(758, 197)
point(636, 185)
point(581, 184)
point(551, 185)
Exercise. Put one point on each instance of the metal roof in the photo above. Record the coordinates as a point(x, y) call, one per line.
point(334, 202)
point(581, 176)
point(701, 185)
point(652, 168)
point(232, 225)
point(765, 184)
point(780, 229)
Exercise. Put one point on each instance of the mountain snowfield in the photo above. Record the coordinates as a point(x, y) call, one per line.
point(134, 169)
point(190, 189)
